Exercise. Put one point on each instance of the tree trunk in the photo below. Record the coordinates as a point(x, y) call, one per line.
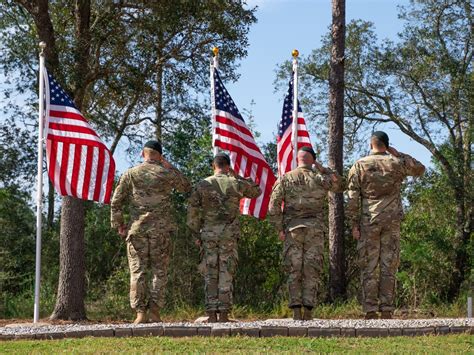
point(159, 100)
point(71, 287)
point(337, 284)
point(462, 236)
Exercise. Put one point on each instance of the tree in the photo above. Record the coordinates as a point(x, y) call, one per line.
point(16, 167)
point(337, 263)
point(177, 36)
point(422, 85)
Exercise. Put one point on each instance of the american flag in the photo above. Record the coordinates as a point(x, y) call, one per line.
point(232, 134)
point(285, 129)
point(79, 164)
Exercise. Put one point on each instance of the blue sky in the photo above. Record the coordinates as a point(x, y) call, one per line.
point(287, 24)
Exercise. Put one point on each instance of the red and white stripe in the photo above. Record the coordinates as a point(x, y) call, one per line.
point(285, 147)
point(233, 135)
point(79, 163)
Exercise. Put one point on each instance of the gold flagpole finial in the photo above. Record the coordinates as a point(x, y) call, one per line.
point(42, 46)
point(295, 53)
point(215, 50)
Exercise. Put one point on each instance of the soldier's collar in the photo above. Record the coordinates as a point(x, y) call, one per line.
point(152, 161)
point(379, 153)
point(309, 167)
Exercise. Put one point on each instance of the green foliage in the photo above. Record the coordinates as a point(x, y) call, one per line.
point(18, 239)
point(428, 249)
point(105, 248)
point(259, 278)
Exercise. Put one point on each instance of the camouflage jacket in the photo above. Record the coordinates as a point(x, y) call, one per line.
point(216, 200)
point(298, 197)
point(144, 191)
point(374, 184)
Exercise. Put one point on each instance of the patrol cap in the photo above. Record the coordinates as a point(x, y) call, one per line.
point(220, 156)
point(309, 150)
point(382, 136)
point(155, 145)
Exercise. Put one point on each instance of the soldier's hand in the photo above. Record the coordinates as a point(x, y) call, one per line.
point(393, 151)
point(282, 236)
point(319, 167)
point(122, 230)
point(166, 163)
point(356, 231)
point(232, 173)
point(198, 242)
point(334, 178)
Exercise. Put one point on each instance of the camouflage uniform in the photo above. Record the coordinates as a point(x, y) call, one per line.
point(144, 192)
point(375, 204)
point(303, 193)
point(213, 213)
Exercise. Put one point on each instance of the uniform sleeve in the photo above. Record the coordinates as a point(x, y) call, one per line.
point(119, 201)
point(194, 218)
point(249, 188)
point(412, 166)
point(275, 214)
point(330, 185)
point(354, 197)
point(181, 182)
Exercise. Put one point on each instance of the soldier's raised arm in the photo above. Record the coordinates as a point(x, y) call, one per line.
point(249, 188)
point(353, 209)
point(332, 181)
point(413, 166)
point(275, 214)
point(119, 200)
point(194, 218)
point(181, 183)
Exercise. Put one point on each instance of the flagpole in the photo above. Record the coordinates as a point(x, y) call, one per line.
point(294, 127)
point(214, 64)
point(39, 197)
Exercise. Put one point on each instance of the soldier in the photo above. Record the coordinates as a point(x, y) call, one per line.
point(297, 212)
point(144, 194)
point(375, 211)
point(213, 215)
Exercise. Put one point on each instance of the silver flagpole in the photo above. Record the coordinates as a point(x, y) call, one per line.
point(294, 127)
point(214, 64)
point(39, 198)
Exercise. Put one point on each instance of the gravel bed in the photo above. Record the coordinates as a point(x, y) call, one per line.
point(29, 329)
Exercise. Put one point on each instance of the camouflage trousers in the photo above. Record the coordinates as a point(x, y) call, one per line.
point(148, 252)
point(218, 265)
point(303, 258)
point(379, 257)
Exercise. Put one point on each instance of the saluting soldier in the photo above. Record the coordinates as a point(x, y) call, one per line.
point(143, 194)
point(297, 212)
point(375, 211)
point(213, 216)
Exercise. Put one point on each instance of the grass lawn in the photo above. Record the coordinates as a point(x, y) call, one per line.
point(425, 344)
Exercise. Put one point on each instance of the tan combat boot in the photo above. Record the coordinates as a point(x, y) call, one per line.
point(386, 315)
point(155, 314)
point(141, 317)
point(212, 316)
point(297, 313)
point(371, 315)
point(308, 313)
point(224, 317)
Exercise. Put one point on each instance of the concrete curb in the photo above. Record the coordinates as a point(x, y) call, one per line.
point(262, 332)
